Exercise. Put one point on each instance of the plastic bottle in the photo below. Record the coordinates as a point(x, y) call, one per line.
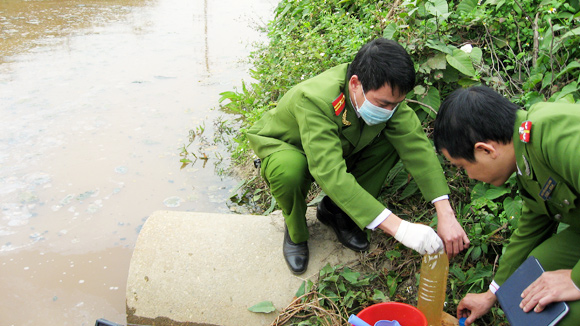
point(432, 286)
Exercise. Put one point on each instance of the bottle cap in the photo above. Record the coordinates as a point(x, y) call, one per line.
point(462, 321)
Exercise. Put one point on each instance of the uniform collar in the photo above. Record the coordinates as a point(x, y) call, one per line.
point(351, 113)
point(522, 161)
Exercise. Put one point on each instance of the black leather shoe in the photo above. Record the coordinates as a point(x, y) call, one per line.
point(347, 232)
point(295, 254)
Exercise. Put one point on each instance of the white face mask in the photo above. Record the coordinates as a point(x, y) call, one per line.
point(372, 114)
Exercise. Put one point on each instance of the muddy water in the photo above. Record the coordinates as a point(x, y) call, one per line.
point(96, 98)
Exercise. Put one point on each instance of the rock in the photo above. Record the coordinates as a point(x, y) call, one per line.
point(207, 269)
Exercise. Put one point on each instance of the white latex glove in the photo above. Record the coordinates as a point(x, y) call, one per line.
point(419, 237)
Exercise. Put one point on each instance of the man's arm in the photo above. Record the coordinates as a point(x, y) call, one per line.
point(550, 287)
point(406, 134)
point(450, 231)
point(474, 306)
point(418, 237)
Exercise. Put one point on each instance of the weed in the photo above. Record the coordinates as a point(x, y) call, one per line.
point(526, 50)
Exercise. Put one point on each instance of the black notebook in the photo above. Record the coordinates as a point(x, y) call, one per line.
point(509, 297)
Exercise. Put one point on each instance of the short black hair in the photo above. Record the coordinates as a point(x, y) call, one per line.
point(383, 61)
point(471, 115)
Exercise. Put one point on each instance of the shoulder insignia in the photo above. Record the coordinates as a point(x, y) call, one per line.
point(339, 104)
point(344, 121)
point(525, 130)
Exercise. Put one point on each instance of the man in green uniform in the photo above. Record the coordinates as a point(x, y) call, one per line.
point(491, 138)
point(345, 129)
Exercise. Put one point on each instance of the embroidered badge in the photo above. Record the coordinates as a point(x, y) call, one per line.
point(548, 188)
point(344, 121)
point(525, 131)
point(339, 104)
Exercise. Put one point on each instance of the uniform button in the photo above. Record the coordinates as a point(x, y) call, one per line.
point(558, 217)
point(566, 202)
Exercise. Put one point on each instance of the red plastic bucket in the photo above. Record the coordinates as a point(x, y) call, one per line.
point(405, 314)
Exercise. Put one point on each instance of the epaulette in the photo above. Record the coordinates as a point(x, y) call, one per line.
point(338, 104)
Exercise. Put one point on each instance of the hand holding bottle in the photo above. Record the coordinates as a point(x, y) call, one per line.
point(419, 237)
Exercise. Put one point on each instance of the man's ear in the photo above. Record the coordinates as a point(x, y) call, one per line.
point(354, 82)
point(487, 148)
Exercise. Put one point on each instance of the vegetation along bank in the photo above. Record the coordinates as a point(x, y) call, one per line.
point(527, 50)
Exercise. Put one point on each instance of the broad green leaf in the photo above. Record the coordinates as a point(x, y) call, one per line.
point(568, 89)
point(499, 4)
point(513, 207)
point(548, 80)
point(476, 253)
point(478, 191)
point(392, 284)
point(467, 6)
point(450, 75)
point(284, 11)
point(327, 269)
point(440, 46)
point(461, 61)
point(457, 272)
point(331, 295)
point(575, 31)
point(534, 98)
point(546, 42)
point(568, 98)
point(467, 82)
point(496, 192)
point(437, 61)
point(433, 99)
point(390, 31)
point(410, 190)
point(264, 307)
point(501, 42)
point(271, 208)
point(229, 95)
point(400, 180)
point(379, 296)
point(394, 172)
point(476, 55)
point(301, 290)
point(481, 273)
point(419, 90)
point(392, 254)
point(484, 247)
point(437, 8)
point(532, 81)
point(572, 65)
point(467, 254)
point(350, 276)
point(331, 278)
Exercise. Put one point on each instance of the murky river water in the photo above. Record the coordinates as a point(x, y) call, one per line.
point(96, 98)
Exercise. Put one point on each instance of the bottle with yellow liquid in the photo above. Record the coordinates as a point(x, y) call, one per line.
point(432, 286)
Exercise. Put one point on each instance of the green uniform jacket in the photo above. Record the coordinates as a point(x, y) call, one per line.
point(305, 121)
point(550, 161)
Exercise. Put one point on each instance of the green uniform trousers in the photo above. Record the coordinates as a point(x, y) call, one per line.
point(561, 252)
point(286, 173)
